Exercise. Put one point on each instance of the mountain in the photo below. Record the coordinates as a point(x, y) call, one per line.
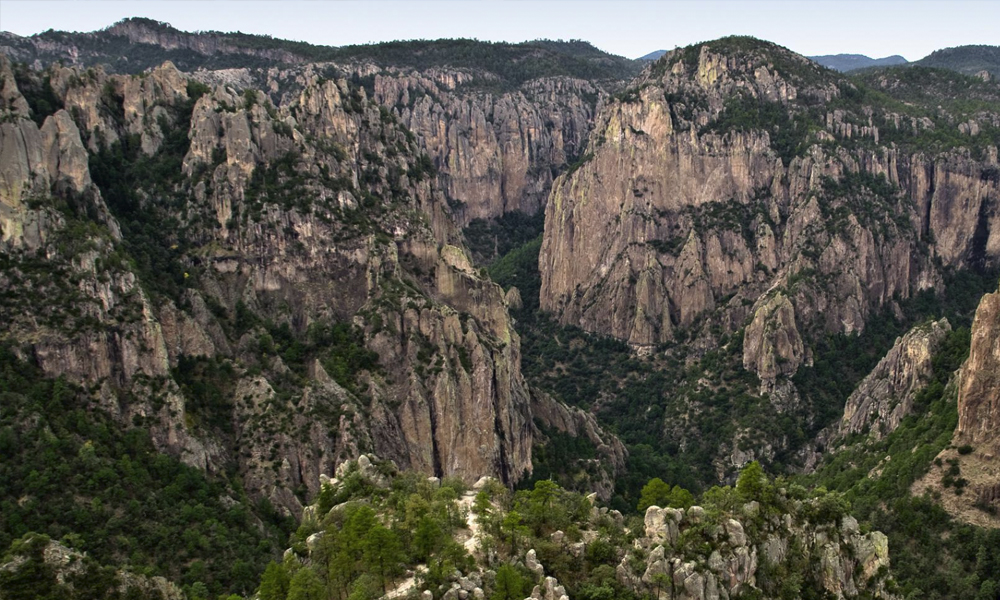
point(851, 62)
point(237, 298)
point(137, 44)
point(748, 217)
point(302, 297)
point(969, 60)
point(652, 55)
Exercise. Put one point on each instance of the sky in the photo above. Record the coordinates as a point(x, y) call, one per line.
point(877, 28)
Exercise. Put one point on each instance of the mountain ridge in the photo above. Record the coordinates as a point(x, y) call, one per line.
point(127, 47)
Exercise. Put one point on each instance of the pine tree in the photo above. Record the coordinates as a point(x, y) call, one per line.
point(383, 553)
point(305, 585)
point(509, 584)
point(274, 583)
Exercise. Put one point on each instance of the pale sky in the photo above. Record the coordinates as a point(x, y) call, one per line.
point(912, 28)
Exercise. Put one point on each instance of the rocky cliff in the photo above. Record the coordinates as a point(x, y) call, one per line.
point(886, 395)
point(495, 152)
point(497, 135)
point(717, 192)
point(161, 230)
point(965, 476)
point(979, 379)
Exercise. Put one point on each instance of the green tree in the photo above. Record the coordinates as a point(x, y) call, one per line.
point(383, 554)
point(722, 499)
point(654, 493)
point(340, 568)
point(512, 530)
point(482, 506)
point(544, 493)
point(510, 585)
point(681, 498)
point(274, 583)
point(752, 482)
point(306, 585)
point(426, 538)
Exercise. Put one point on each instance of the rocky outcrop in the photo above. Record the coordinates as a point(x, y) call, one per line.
point(842, 561)
point(965, 477)
point(772, 346)
point(979, 379)
point(886, 395)
point(36, 556)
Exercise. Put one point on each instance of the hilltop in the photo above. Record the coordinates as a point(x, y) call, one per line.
point(137, 44)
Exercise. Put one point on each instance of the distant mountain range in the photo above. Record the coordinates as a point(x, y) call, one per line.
point(968, 60)
point(850, 62)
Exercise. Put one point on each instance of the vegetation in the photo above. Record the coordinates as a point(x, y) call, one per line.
point(144, 193)
point(788, 133)
point(37, 91)
point(933, 555)
point(638, 398)
point(375, 513)
point(512, 64)
point(73, 473)
point(34, 578)
point(840, 362)
point(965, 59)
point(488, 240)
point(375, 532)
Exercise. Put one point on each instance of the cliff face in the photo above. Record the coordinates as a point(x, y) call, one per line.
point(612, 455)
point(684, 213)
point(496, 142)
point(979, 379)
point(965, 476)
point(495, 152)
point(280, 226)
point(886, 395)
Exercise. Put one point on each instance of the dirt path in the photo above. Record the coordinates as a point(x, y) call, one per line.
point(471, 545)
point(466, 501)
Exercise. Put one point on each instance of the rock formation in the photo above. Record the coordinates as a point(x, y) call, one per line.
point(785, 546)
point(281, 228)
point(61, 571)
point(611, 453)
point(681, 215)
point(846, 562)
point(886, 395)
point(979, 379)
point(965, 476)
